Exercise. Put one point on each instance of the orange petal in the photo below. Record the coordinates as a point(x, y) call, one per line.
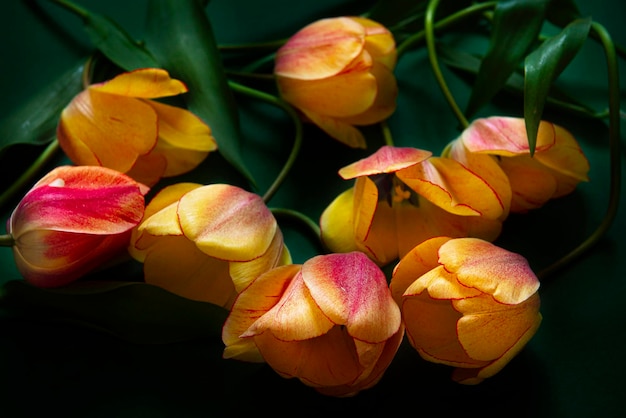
point(335, 128)
point(493, 270)
point(146, 83)
point(227, 222)
point(532, 183)
point(320, 50)
point(379, 42)
point(103, 129)
point(387, 159)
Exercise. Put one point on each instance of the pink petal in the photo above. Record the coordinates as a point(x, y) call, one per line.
point(387, 159)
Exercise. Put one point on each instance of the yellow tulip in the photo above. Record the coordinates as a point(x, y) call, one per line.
point(114, 124)
point(330, 322)
point(403, 196)
point(467, 303)
point(207, 242)
point(339, 73)
point(497, 149)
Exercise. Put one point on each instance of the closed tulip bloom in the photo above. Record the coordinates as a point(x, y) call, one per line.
point(339, 73)
point(467, 303)
point(497, 149)
point(330, 322)
point(72, 221)
point(403, 196)
point(207, 242)
point(115, 124)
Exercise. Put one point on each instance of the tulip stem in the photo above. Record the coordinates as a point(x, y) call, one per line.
point(615, 155)
point(295, 150)
point(6, 240)
point(28, 176)
point(311, 226)
point(72, 7)
point(432, 55)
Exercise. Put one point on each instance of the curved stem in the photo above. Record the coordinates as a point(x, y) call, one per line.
point(386, 133)
point(6, 240)
point(432, 55)
point(301, 218)
point(614, 149)
point(28, 176)
point(72, 7)
point(295, 150)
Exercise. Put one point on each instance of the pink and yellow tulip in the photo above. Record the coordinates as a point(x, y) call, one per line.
point(207, 242)
point(114, 124)
point(339, 73)
point(497, 149)
point(403, 196)
point(72, 221)
point(467, 303)
point(330, 322)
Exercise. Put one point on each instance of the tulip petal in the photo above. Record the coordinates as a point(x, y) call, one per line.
point(146, 83)
point(227, 222)
point(104, 129)
point(337, 225)
point(532, 183)
point(352, 291)
point(335, 128)
point(387, 159)
point(493, 270)
point(320, 50)
point(379, 42)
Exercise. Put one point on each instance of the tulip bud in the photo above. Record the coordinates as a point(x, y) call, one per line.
point(339, 73)
point(330, 322)
point(73, 220)
point(467, 303)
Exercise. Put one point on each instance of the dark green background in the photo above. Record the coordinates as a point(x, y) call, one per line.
point(573, 367)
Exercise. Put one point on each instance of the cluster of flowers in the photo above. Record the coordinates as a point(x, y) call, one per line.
point(335, 322)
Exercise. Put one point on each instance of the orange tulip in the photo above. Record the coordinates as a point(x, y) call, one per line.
point(497, 149)
point(339, 73)
point(72, 221)
point(403, 196)
point(467, 303)
point(330, 322)
point(113, 124)
point(207, 242)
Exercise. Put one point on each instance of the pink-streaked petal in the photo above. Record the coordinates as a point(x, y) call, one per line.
point(387, 159)
point(227, 222)
point(493, 270)
point(337, 129)
point(352, 291)
point(451, 186)
point(320, 50)
point(104, 129)
point(146, 83)
point(505, 136)
point(337, 225)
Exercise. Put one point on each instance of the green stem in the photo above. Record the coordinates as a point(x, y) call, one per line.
point(386, 133)
point(252, 46)
point(615, 155)
point(432, 55)
point(72, 8)
point(295, 150)
point(301, 218)
point(29, 175)
point(6, 240)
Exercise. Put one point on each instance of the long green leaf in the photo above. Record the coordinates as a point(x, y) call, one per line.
point(35, 121)
point(543, 66)
point(180, 35)
point(516, 25)
point(134, 311)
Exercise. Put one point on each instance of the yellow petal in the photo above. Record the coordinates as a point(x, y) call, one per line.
point(336, 223)
point(103, 129)
point(320, 50)
point(379, 42)
point(387, 159)
point(146, 83)
point(227, 222)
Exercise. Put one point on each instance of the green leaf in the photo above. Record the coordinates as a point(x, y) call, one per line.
point(36, 120)
point(516, 26)
point(134, 311)
point(562, 12)
point(180, 35)
point(543, 66)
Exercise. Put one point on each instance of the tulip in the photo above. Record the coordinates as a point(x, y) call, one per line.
point(72, 221)
point(403, 196)
point(115, 125)
point(497, 149)
point(339, 73)
point(330, 322)
point(207, 242)
point(467, 303)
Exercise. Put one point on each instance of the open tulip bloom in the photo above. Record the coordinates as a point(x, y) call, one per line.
point(497, 149)
point(115, 125)
point(73, 220)
point(330, 322)
point(467, 303)
point(339, 73)
point(403, 196)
